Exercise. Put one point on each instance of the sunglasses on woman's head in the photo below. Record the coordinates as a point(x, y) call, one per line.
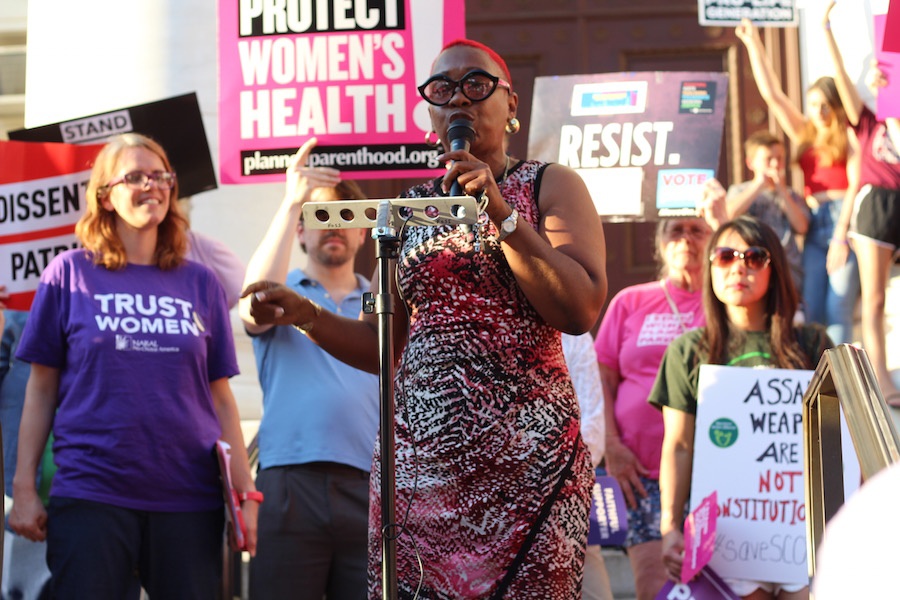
point(754, 257)
point(476, 85)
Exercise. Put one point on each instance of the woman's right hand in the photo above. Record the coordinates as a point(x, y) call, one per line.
point(673, 554)
point(622, 464)
point(276, 304)
point(747, 32)
point(711, 206)
point(838, 253)
point(826, 18)
point(28, 517)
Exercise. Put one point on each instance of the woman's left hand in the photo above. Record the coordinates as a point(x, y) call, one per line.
point(276, 304)
point(673, 554)
point(250, 509)
point(838, 253)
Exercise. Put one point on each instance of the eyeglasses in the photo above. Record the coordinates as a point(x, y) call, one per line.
point(476, 85)
point(138, 180)
point(754, 258)
point(693, 231)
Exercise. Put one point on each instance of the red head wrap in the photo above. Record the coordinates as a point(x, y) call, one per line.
point(487, 50)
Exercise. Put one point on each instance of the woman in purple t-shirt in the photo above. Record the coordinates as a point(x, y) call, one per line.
point(131, 349)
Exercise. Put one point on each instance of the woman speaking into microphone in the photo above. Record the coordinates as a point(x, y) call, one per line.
point(490, 464)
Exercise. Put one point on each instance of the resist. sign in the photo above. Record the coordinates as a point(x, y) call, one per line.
point(644, 143)
point(42, 196)
point(344, 71)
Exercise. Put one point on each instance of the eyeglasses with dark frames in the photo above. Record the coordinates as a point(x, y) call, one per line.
point(138, 180)
point(476, 85)
point(754, 257)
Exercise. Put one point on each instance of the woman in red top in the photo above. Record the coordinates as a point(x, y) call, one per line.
point(820, 139)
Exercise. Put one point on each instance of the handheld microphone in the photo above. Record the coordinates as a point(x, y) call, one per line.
point(460, 134)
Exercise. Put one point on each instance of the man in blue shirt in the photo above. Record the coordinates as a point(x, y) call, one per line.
point(320, 416)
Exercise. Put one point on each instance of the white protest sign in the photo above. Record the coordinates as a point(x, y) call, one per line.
point(771, 13)
point(748, 448)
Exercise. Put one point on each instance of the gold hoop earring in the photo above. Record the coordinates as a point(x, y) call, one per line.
point(513, 126)
point(431, 139)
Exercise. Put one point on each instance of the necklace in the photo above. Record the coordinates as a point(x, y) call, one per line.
point(505, 172)
point(678, 314)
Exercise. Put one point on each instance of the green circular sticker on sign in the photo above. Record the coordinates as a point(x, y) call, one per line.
point(723, 432)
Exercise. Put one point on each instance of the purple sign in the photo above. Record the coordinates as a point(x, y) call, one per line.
point(706, 586)
point(699, 537)
point(609, 516)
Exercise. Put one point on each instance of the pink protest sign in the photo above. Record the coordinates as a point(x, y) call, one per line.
point(892, 28)
point(699, 538)
point(888, 102)
point(42, 188)
point(344, 73)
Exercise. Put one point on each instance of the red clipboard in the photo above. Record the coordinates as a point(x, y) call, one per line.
point(234, 516)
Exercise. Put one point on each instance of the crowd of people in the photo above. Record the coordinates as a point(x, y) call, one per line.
point(497, 445)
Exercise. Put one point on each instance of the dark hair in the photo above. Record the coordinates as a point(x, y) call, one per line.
point(781, 300)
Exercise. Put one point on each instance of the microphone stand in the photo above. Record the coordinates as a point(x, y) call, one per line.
point(386, 252)
point(356, 214)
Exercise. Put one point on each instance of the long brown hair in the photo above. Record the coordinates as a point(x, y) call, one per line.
point(831, 145)
point(97, 227)
point(781, 300)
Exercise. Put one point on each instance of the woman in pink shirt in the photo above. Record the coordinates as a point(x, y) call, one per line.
point(636, 329)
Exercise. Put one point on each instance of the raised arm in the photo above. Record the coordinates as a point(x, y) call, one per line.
point(789, 116)
point(875, 80)
point(850, 97)
point(267, 302)
point(712, 207)
point(271, 260)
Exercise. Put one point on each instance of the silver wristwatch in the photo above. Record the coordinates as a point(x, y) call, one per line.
point(508, 225)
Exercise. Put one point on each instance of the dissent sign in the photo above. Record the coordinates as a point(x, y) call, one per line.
point(42, 195)
point(343, 72)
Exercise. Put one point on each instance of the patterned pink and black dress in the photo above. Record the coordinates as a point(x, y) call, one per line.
point(488, 449)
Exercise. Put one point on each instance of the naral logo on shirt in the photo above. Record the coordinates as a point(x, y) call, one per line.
point(126, 342)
